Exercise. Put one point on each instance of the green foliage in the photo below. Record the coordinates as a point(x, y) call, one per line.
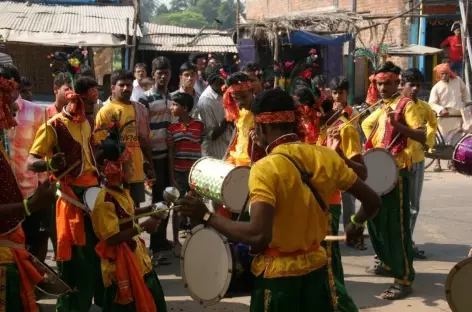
point(185, 18)
point(148, 9)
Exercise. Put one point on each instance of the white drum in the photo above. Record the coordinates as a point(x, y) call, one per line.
point(382, 170)
point(90, 196)
point(222, 182)
point(457, 291)
point(206, 265)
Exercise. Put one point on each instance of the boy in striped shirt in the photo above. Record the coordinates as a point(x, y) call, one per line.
point(184, 143)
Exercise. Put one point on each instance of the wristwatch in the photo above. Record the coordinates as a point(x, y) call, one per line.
point(206, 217)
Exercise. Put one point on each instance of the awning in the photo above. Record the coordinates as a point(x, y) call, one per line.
point(412, 50)
point(62, 39)
point(304, 38)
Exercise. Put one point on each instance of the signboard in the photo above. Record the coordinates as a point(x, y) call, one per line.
point(442, 9)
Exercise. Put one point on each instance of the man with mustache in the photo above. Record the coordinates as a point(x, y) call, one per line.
point(134, 136)
point(391, 126)
point(188, 77)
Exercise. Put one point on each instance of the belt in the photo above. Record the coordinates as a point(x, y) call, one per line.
point(5, 243)
point(273, 252)
point(72, 201)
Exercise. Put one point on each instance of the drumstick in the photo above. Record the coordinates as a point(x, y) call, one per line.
point(46, 138)
point(335, 238)
point(148, 214)
point(67, 171)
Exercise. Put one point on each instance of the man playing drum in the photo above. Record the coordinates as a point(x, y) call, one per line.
point(411, 81)
point(68, 136)
point(287, 222)
point(130, 282)
point(388, 128)
point(17, 274)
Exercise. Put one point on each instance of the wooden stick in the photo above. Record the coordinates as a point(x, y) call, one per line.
point(46, 138)
point(67, 171)
point(148, 214)
point(334, 238)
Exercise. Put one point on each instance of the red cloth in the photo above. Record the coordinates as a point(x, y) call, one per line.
point(306, 129)
point(455, 48)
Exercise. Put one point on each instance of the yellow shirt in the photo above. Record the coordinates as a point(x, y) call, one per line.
point(106, 224)
point(412, 118)
point(81, 132)
point(350, 145)
point(429, 117)
point(129, 135)
point(244, 124)
point(299, 222)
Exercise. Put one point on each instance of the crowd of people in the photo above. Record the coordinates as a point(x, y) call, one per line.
point(304, 146)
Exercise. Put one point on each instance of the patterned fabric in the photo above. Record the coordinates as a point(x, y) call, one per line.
point(160, 118)
point(275, 117)
point(306, 129)
point(238, 152)
point(187, 143)
point(6, 118)
point(29, 118)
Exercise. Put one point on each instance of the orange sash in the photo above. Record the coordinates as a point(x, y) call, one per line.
point(70, 218)
point(130, 282)
point(29, 276)
point(274, 252)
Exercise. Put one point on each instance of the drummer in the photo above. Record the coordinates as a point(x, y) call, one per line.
point(130, 282)
point(68, 135)
point(287, 223)
point(391, 126)
point(18, 275)
point(411, 81)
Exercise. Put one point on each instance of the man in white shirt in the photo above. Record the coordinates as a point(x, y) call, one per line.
point(448, 96)
point(140, 72)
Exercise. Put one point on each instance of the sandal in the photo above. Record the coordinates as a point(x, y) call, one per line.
point(396, 291)
point(159, 259)
point(419, 254)
point(378, 270)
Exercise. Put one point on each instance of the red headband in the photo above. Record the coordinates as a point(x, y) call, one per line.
point(113, 172)
point(230, 106)
point(373, 94)
point(275, 117)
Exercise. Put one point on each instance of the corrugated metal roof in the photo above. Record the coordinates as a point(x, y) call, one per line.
point(179, 43)
point(109, 19)
point(155, 29)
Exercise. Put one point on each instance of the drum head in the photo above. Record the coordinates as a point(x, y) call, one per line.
point(462, 156)
point(235, 189)
point(51, 284)
point(382, 170)
point(206, 265)
point(90, 196)
point(457, 293)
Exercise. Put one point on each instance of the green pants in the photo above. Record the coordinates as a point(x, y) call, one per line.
point(154, 286)
point(10, 288)
point(307, 293)
point(390, 232)
point(82, 273)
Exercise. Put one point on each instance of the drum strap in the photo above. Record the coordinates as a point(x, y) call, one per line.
point(306, 177)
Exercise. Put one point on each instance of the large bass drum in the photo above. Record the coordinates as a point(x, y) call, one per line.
point(457, 286)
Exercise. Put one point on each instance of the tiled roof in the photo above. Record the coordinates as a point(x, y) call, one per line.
point(182, 39)
point(73, 19)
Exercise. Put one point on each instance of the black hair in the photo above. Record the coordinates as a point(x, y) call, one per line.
point(236, 78)
point(184, 100)
point(327, 105)
point(61, 79)
point(212, 74)
point(111, 148)
point(14, 73)
point(4, 72)
point(160, 62)
point(86, 71)
point(305, 96)
point(140, 65)
point(118, 75)
point(187, 66)
point(412, 75)
point(388, 67)
point(25, 82)
point(194, 56)
point(275, 100)
point(83, 84)
point(251, 67)
point(339, 84)
point(319, 80)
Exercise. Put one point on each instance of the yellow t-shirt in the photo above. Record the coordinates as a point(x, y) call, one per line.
point(81, 132)
point(129, 135)
point(350, 145)
point(429, 117)
point(244, 124)
point(299, 222)
point(106, 224)
point(412, 119)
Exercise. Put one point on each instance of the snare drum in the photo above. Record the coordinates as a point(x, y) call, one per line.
point(90, 195)
point(382, 170)
point(462, 156)
point(211, 266)
point(457, 291)
point(219, 181)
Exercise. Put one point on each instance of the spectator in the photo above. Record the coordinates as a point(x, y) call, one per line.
point(188, 76)
point(26, 89)
point(140, 72)
point(200, 60)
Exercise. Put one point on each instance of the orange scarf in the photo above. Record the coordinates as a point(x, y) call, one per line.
point(29, 275)
point(131, 285)
point(441, 68)
point(70, 218)
point(229, 105)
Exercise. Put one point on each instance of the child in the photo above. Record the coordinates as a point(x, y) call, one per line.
point(320, 83)
point(130, 282)
point(184, 142)
point(339, 91)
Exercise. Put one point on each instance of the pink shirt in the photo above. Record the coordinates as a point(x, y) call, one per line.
point(20, 139)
